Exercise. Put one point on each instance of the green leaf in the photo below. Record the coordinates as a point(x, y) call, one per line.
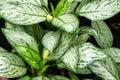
point(50, 77)
point(33, 30)
point(22, 12)
point(24, 78)
point(105, 37)
point(88, 30)
point(20, 38)
point(64, 44)
point(67, 22)
point(100, 9)
point(78, 57)
point(30, 56)
point(114, 53)
point(51, 39)
point(88, 53)
point(105, 69)
point(73, 77)
point(64, 7)
point(2, 50)
point(11, 65)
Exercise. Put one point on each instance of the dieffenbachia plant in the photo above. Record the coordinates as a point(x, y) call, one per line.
point(63, 43)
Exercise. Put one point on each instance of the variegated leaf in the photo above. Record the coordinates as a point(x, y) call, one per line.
point(70, 59)
point(114, 53)
point(33, 30)
point(78, 57)
point(100, 9)
point(88, 54)
point(88, 30)
point(67, 22)
point(64, 44)
point(105, 69)
point(20, 38)
point(11, 65)
point(64, 7)
point(50, 77)
point(30, 56)
point(24, 78)
point(2, 50)
point(104, 37)
point(23, 12)
point(73, 76)
point(51, 40)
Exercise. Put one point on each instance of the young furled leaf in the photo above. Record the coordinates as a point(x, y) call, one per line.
point(99, 9)
point(65, 7)
point(20, 38)
point(22, 12)
point(104, 37)
point(30, 56)
point(11, 65)
point(67, 22)
point(105, 69)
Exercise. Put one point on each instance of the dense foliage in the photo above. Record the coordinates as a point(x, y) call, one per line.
point(61, 41)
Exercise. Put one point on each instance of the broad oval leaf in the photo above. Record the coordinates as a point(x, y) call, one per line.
point(33, 30)
point(100, 9)
point(88, 54)
point(20, 38)
point(105, 69)
point(22, 12)
point(67, 22)
point(78, 57)
point(50, 40)
point(114, 53)
point(30, 56)
point(11, 65)
point(64, 44)
point(104, 37)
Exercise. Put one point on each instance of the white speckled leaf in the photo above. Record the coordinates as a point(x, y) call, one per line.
point(114, 53)
point(11, 66)
point(105, 69)
point(50, 40)
point(23, 12)
point(20, 38)
point(30, 56)
point(64, 44)
point(67, 22)
point(104, 37)
point(70, 59)
point(100, 9)
point(88, 54)
point(24, 78)
point(88, 30)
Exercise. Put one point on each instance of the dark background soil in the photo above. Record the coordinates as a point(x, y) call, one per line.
point(113, 23)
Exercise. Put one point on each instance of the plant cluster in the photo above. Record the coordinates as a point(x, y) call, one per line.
point(61, 41)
